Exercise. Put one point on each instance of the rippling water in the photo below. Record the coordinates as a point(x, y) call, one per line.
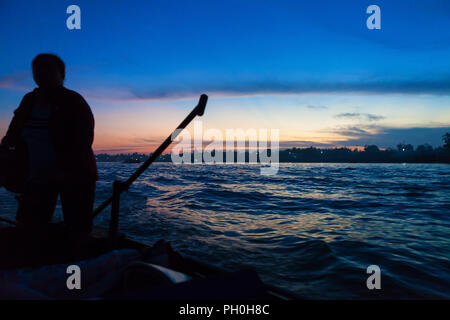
point(312, 228)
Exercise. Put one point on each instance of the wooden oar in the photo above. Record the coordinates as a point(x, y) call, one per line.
point(198, 111)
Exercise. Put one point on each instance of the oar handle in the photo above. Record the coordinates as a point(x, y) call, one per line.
point(199, 110)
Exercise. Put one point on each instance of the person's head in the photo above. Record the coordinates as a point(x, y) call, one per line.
point(48, 70)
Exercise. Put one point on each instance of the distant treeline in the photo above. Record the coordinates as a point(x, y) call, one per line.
point(403, 153)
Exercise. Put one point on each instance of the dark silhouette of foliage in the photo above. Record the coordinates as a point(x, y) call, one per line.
point(405, 153)
point(405, 147)
point(371, 148)
point(446, 139)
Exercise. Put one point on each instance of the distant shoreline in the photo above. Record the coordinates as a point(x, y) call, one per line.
point(371, 154)
point(157, 161)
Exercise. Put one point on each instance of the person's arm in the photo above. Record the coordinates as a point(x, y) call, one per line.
point(7, 140)
point(85, 126)
point(12, 135)
point(78, 142)
point(13, 165)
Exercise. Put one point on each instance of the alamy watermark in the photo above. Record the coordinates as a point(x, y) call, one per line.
point(213, 146)
point(74, 280)
point(73, 22)
point(374, 280)
point(374, 20)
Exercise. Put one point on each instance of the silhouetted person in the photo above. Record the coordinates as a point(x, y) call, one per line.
point(55, 128)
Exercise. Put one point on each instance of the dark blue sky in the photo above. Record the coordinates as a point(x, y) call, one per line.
point(258, 59)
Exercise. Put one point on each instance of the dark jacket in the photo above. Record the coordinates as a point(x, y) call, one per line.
point(71, 130)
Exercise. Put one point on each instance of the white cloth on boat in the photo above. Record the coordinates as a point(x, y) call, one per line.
point(47, 282)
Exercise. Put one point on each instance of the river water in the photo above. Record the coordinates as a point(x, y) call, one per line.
point(311, 228)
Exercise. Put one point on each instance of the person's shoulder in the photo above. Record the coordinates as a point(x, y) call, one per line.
point(73, 96)
point(29, 95)
point(71, 93)
point(26, 101)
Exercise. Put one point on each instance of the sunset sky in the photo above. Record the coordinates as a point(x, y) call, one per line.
point(311, 69)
